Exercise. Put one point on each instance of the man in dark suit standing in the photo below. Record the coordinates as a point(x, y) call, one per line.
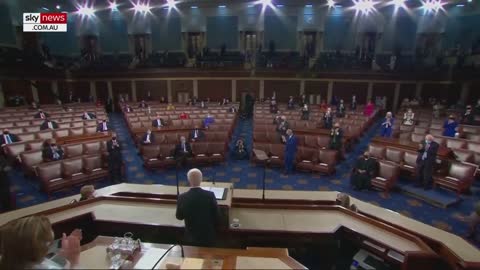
point(183, 150)
point(47, 124)
point(196, 134)
point(158, 122)
point(52, 152)
point(148, 138)
point(88, 116)
point(8, 138)
point(199, 209)
point(290, 150)
point(336, 136)
point(41, 115)
point(114, 159)
point(103, 126)
point(328, 119)
point(426, 158)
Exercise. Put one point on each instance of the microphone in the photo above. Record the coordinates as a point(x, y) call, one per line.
point(167, 251)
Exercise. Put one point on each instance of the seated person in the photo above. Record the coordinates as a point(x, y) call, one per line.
point(103, 126)
point(232, 109)
point(305, 112)
point(336, 136)
point(450, 127)
point(88, 116)
point(143, 104)
point(34, 106)
point(183, 115)
point(8, 138)
point(159, 122)
point(27, 241)
point(408, 117)
point(363, 172)
point(273, 106)
point(468, 118)
point(436, 110)
point(170, 107)
point(41, 115)
point(209, 119)
point(163, 99)
point(48, 124)
point(277, 119)
point(282, 126)
point(344, 200)
point(224, 102)
point(341, 109)
point(291, 103)
point(148, 138)
point(328, 119)
point(87, 192)
point(405, 103)
point(240, 151)
point(128, 108)
point(51, 151)
point(183, 150)
point(203, 105)
point(473, 221)
point(369, 108)
point(196, 134)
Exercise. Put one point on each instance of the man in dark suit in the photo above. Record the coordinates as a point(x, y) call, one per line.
point(336, 136)
point(114, 159)
point(426, 158)
point(148, 138)
point(196, 134)
point(143, 104)
point(290, 150)
point(88, 116)
point(291, 103)
point(363, 172)
point(183, 150)
point(8, 138)
point(48, 124)
point(41, 115)
point(282, 126)
point(103, 126)
point(328, 119)
point(199, 209)
point(158, 122)
point(52, 152)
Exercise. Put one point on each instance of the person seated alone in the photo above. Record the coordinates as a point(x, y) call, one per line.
point(305, 112)
point(277, 119)
point(48, 124)
point(291, 103)
point(170, 107)
point(344, 200)
point(468, 118)
point(363, 172)
point(27, 241)
point(283, 125)
point(336, 136)
point(128, 108)
point(200, 211)
point(203, 105)
point(450, 127)
point(196, 134)
point(240, 151)
point(183, 115)
point(52, 152)
point(148, 138)
point(34, 106)
point(143, 104)
point(158, 122)
point(41, 115)
point(88, 116)
point(103, 126)
point(87, 192)
point(232, 109)
point(8, 138)
point(209, 120)
point(224, 102)
point(183, 150)
point(408, 117)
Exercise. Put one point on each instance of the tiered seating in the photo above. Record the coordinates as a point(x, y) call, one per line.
point(210, 150)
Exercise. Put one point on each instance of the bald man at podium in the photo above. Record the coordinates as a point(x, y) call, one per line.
point(199, 209)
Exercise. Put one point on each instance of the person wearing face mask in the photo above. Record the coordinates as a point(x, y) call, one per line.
point(114, 159)
point(450, 127)
point(387, 126)
point(290, 150)
point(208, 120)
point(48, 124)
point(240, 151)
point(148, 138)
point(41, 115)
point(88, 116)
point(468, 118)
point(305, 112)
point(336, 136)
point(183, 150)
point(341, 109)
point(52, 152)
point(8, 138)
point(328, 119)
point(353, 105)
point(426, 158)
point(196, 135)
point(364, 170)
point(408, 117)
point(159, 122)
point(103, 126)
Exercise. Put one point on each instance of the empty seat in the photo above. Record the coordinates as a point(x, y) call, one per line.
point(409, 163)
point(90, 130)
point(456, 144)
point(463, 155)
point(45, 135)
point(63, 125)
point(58, 133)
point(277, 156)
point(26, 137)
point(73, 171)
point(459, 178)
point(376, 151)
point(78, 131)
point(13, 150)
point(93, 167)
point(394, 155)
point(217, 152)
point(151, 156)
point(30, 161)
point(387, 176)
point(91, 148)
point(200, 153)
point(73, 150)
point(34, 145)
point(50, 175)
point(167, 155)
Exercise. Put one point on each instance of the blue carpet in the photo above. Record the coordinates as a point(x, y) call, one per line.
point(439, 197)
point(245, 175)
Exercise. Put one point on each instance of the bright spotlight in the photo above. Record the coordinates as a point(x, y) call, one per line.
point(364, 6)
point(86, 11)
point(171, 3)
point(432, 5)
point(266, 2)
point(141, 8)
point(330, 3)
point(398, 3)
point(113, 6)
point(58, 7)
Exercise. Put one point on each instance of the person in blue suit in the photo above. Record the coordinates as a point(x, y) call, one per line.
point(290, 150)
point(450, 127)
point(387, 126)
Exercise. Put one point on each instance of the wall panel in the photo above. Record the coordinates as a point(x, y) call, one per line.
point(101, 88)
point(345, 91)
point(17, 87)
point(121, 88)
point(157, 89)
point(181, 86)
point(384, 89)
point(248, 86)
point(216, 90)
point(283, 89)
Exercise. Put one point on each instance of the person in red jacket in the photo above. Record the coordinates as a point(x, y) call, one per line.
point(184, 115)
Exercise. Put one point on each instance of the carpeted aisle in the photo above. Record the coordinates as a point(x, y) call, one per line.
point(245, 175)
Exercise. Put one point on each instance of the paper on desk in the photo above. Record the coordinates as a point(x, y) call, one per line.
point(149, 258)
point(260, 263)
point(217, 191)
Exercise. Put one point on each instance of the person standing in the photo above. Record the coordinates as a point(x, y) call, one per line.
point(114, 159)
point(341, 109)
point(468, 118)
point(409, 117)
point(290, 150)
point(199, 209)
point(387, 126)
point(353, 105)
point(426, 158)
point(148, 138)
point(328, 119)
point(336, 136)
point(450, 127)
point(103, 126)
point(305, 112)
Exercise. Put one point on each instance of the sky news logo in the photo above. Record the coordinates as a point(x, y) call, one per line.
point(45, 22)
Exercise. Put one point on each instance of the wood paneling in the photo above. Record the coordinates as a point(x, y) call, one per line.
point(283, 89)
point(157, 89)
point(45, 94)
point(451, 93)
point(345, 91)
point(182, 86)
point(248, 86)
point(407, 90)
point(474, 93)
point(102, 90)
point(384, 90)
point(17, 87)
point(81, 90)
point(121, 88)
point(316, 88)
point(216, 90)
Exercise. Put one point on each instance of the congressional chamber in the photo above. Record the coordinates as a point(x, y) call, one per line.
point(240, 134)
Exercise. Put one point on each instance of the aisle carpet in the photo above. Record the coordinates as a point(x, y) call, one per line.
point(245, 175)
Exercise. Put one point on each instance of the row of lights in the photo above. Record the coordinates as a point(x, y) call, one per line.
point(364, 6)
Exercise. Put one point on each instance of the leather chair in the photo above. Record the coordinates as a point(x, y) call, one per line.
point(436, 132)
point(200, 153)
point(13, 150)
point(376, 151)
point(166, 156)
point(306, 159)
point(30, 161)
point(64, 125)
point(323, 141)
point(387, 176)
point(417, 138)
point(327, 159)
point(44, 135)
point(472, 146)
point(77, 124)
point(394, 155)
point(171, 138)
point(34, 145)
point(90, 130)
point(463, 155)
point(456, 144)
point(277, 157)
point(92, 148)
point(73, 150)
point(73, 172)
point(78, 131)
point(409, 163)
point(93, 167)
point(90, 123)
point(311, 141)
point(217, 152)
point(50, 175)
point(32, 129)
point(459, 178)
point(260, 146)
point(151, 156)
point(27, 137)
point(473, 137)
point(260, 137)
point(420, 130)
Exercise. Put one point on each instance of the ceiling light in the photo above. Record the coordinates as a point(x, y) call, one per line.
point(194, 7)
point(171, 3)
point(222, 6)
point(308, 6)
point(279, 6)
point(86, 11)
point(460, 5)
point(364, 6)
point(432, 5)
point(398, 3)
point(58, 7)
point(331, 3)
point(266, 2)
point(141, 8)
point(113, 6)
